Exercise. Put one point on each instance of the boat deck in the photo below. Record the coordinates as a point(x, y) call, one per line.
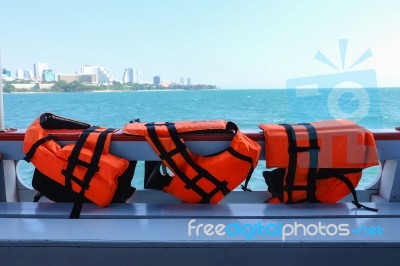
point(150, 233)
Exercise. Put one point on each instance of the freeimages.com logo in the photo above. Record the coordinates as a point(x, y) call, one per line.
point(347, 94)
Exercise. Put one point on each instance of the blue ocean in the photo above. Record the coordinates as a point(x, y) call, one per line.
point(373, 108)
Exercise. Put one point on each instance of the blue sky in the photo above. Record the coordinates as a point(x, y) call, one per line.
point(232, 44)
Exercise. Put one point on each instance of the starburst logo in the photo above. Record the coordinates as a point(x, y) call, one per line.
point(343, 51)
point(346, 94)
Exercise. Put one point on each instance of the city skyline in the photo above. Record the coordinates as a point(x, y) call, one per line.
point(102, 74)
point(230, 43)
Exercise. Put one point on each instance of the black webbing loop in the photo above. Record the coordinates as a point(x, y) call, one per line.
point(246, 182)
point(230, 126)
point(136, 120)
point(348, 183)
point(34, 147)
point(353, 191)
point(245, 158)
point(37, 197)
point(245, 188)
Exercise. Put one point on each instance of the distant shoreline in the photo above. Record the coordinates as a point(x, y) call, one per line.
point(60, 86)
point(150, 87)
point(97, 91)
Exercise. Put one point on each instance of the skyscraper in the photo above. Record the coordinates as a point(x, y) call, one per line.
point(128, 76)
point(28, 74)
point(188, 81)
point(182, 80)
point(19, 74)
point(156, 80)
point(38, 70)
point(136, 77)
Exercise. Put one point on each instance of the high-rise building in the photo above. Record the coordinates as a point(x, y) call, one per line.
point(88, 69)
point(28, 74)
point(102, 74)
point(156, 80)
point(188, 81)
point(19, 74)
point(182, 80)
point(6, 73)
point(136, 77)
point(48, 76)
point(128, 76)
point(38, 70)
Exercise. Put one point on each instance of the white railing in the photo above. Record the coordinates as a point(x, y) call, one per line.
point(386, 185)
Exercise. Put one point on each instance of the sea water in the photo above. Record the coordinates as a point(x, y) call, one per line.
point(246, 107)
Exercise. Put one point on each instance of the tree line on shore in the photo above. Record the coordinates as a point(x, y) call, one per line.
point(76, 86)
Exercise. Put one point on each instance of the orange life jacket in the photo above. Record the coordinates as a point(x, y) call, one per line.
point(199, 179)
point(316, 162)
point(86, 168)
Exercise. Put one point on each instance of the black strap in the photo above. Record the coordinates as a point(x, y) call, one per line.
point(245, 158)
point(37, 197)
point(348, 183)
point(274, 180)
point(313, 149)
point(92, 167)
point(246, 182)
point(74, 156)
point(154, 138)
point(220, 186)
point(292, 150)
point(34, 147)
